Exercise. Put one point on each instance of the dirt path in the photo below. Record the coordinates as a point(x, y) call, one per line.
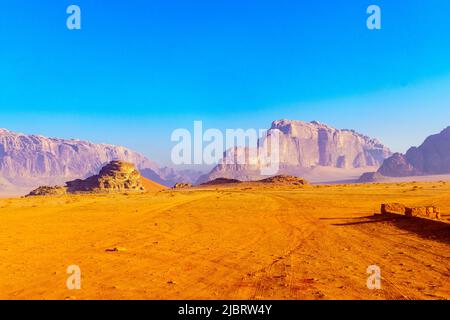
point(315, 243)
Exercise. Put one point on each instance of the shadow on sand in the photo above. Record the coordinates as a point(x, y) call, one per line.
point(424, 228)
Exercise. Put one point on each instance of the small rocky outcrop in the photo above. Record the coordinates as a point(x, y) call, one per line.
point(219, 181)
point(284, 179)
point(182, 185)
point(48, 191)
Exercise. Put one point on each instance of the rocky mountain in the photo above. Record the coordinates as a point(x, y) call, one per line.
point(306, 148)
point(430, 158)
point(397, 166)
point(27, 161)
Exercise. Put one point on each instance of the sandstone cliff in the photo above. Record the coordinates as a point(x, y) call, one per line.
point(304, 146)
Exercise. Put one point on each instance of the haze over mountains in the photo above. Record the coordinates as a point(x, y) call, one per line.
point(28, 161)
point(311, 150)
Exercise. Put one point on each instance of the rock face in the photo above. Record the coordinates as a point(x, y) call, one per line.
point(307, 145)
point(430, 158)
point(115, 176)
point(27, 161)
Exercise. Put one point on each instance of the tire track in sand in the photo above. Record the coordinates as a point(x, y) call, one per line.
point(278, 277)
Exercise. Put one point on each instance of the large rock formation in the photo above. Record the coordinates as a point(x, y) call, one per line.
point(27, 161)
point(397, 166)
point(430, 158)
point(304, 146)
point(116, 176)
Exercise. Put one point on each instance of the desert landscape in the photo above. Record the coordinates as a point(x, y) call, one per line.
point(231, 234)
point(225, 150)
point(229, 241)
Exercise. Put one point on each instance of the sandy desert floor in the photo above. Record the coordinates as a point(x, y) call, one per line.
point(227, 243)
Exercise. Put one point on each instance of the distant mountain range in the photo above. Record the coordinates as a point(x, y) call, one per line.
point(311, 150)
point(28, 161)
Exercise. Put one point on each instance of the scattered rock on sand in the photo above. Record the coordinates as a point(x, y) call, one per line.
point(116, 249)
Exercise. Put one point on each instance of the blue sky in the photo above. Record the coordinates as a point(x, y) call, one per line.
point(140, 69)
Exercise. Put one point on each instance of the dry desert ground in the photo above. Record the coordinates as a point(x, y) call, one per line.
point(231, 242)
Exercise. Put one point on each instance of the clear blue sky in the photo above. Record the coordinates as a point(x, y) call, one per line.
point(139, 69)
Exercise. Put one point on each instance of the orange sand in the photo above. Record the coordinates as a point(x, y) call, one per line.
point(231, 243)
